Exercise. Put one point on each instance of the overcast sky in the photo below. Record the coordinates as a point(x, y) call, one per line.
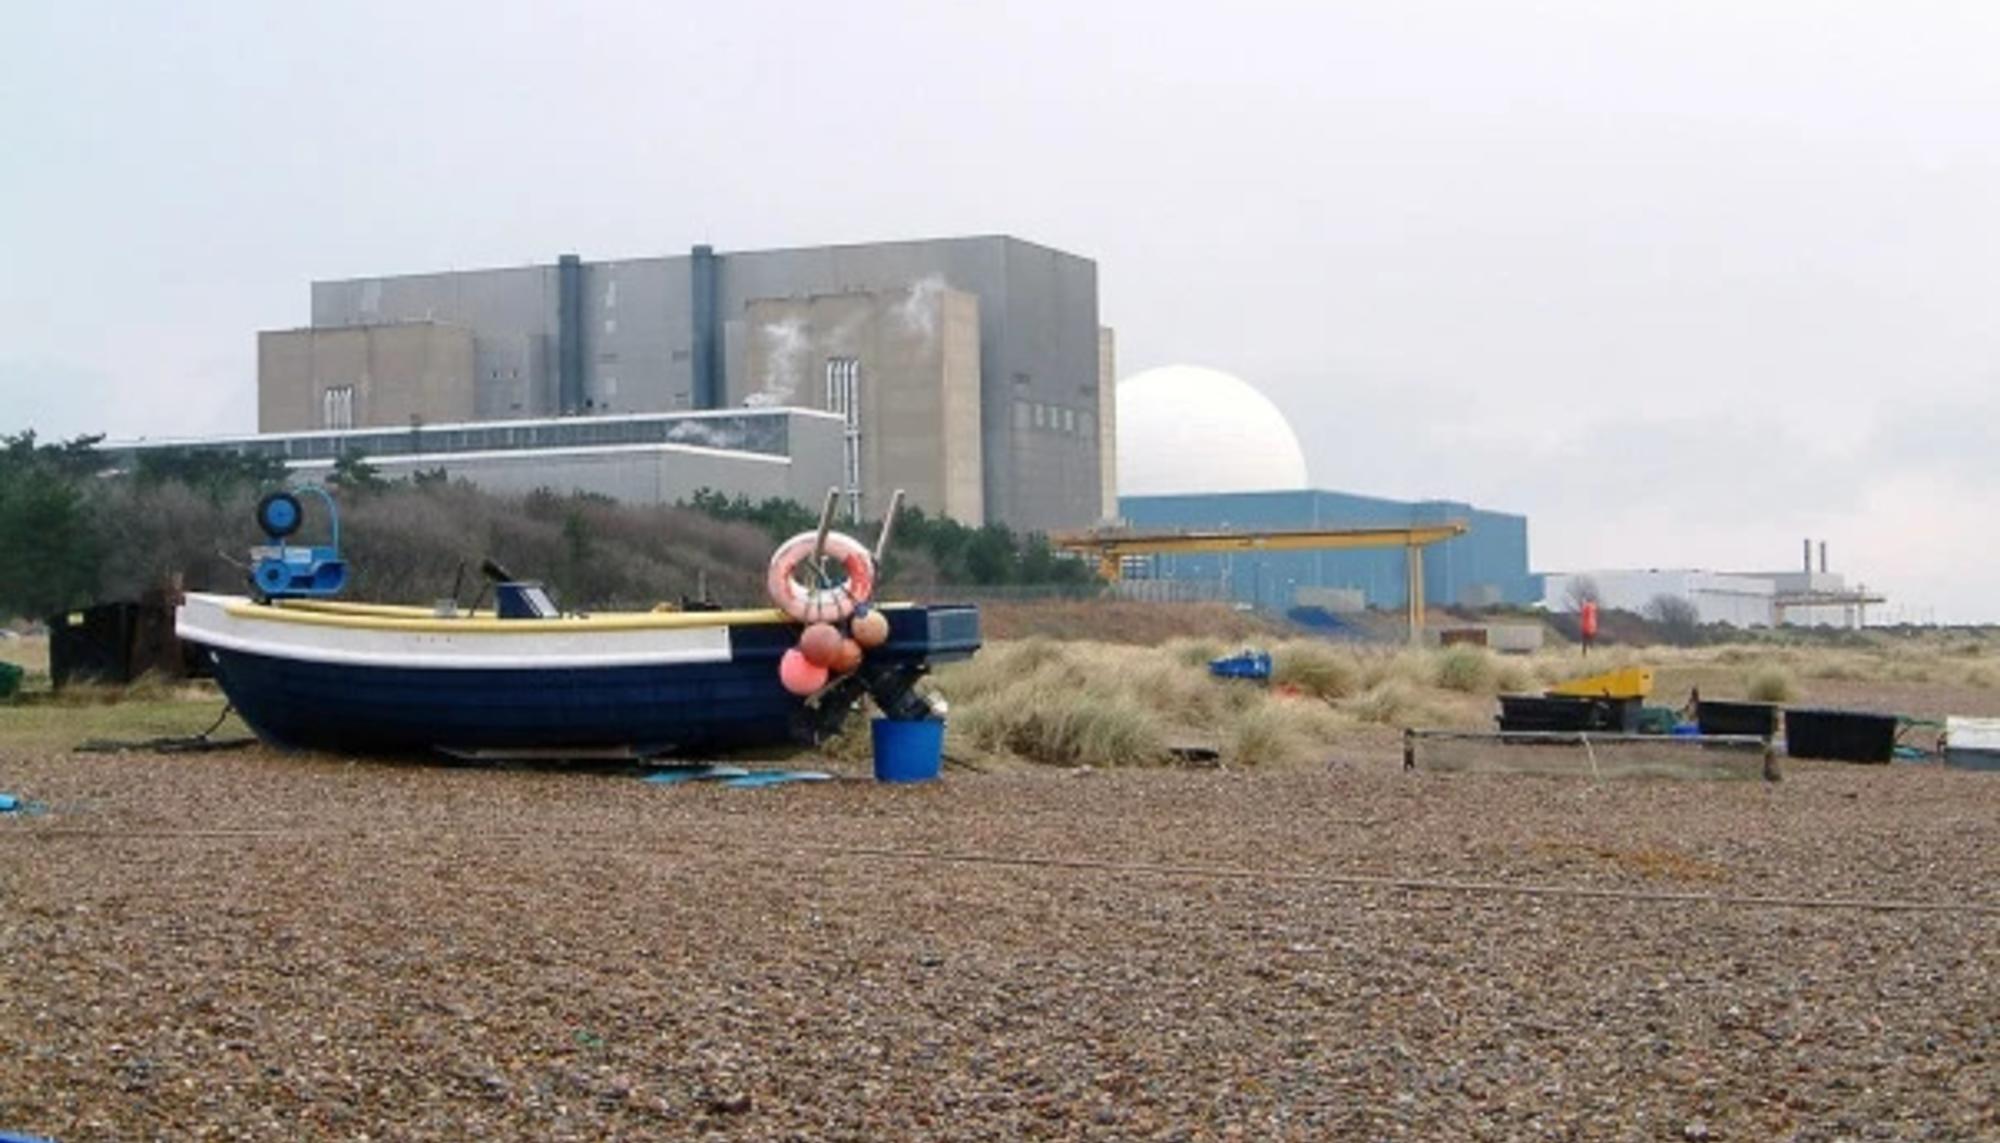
point(1682, 282)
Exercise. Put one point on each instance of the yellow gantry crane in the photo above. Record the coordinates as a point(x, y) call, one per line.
point(1111, 546)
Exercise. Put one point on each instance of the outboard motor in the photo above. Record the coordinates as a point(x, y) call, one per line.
point(291, 571)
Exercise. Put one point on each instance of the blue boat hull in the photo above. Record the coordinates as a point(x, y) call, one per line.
point(646, 710)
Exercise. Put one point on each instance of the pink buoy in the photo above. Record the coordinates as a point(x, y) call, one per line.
point(799, 674)
point(820, 644)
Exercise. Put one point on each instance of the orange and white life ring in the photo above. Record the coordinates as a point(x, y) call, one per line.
point(812, 601)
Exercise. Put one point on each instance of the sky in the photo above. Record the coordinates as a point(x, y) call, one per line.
point(1684, 282)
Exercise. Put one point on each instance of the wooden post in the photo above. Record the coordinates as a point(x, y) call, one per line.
point(1409, 749)
point(1414, 566)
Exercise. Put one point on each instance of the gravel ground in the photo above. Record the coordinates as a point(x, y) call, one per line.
point(259, 946)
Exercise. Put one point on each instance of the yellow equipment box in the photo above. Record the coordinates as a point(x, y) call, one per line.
point(1628, 683)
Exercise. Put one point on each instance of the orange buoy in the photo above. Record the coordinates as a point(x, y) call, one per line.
point(846, 658)
point(870, 629)
point(800, 676)
point(820, 644)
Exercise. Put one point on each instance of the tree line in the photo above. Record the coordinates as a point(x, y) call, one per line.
point(73, 531)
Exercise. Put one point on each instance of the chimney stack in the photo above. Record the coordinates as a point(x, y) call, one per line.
point(1822, 557)
point(1808, 555)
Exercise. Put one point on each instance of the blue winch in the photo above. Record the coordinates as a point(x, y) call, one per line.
point(292, 571)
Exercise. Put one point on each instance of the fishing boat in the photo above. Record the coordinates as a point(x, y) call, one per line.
point(527, 679)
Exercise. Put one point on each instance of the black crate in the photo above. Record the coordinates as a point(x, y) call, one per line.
point(1568, 713)
point(1757, 719)
point(115, 643)
point(92, 645)
point(1840, 735)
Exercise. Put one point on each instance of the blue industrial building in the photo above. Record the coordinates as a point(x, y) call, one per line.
point(1488, 565)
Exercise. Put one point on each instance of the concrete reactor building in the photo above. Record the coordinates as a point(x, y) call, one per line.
point(971, 372)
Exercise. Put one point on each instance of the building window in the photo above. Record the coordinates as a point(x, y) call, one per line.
point(1069, 420)
point(1021, 416)
point(1041, 415)
point(336, 407)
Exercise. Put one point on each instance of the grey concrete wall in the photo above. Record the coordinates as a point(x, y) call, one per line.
point(917, 356)
point(1107, 424)
point(511, 312)
point(1038, 346)
point(1051, 476)
point(638, 336)
point(419, 372)
point(960, 439)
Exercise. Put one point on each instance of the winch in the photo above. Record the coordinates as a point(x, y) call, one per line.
point(296, 571)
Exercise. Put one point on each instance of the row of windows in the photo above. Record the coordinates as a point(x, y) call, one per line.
point(767, 434)
point(336, 407)
point(1031, 415)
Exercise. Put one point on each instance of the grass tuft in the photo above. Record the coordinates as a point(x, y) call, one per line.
point(1771, 684)
point(1468, 670)
point(1316, 669)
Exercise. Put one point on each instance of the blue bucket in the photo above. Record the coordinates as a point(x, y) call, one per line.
point(911, 751)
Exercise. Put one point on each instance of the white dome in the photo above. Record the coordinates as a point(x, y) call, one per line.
point(1183, 429)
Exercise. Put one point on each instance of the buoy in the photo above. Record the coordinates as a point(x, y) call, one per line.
point(800, 676)
point(846, 658)
point(820, 644)
point(871, 629)
point(820, 602)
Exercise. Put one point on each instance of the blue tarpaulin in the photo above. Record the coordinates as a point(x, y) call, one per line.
point(1247, 664)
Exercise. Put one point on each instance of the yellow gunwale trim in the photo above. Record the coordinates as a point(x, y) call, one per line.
point(417, 619)
point(335, 607)
point(391, 617)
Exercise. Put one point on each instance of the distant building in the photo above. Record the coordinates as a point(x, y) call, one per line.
point(792, 454)
point(971, 372)
point(1487, 566)
point(1802, 598)
point(1717, 597)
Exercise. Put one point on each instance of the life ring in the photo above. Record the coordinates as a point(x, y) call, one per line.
point(816, 602)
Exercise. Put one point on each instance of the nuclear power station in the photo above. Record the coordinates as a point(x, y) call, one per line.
point(972, 372)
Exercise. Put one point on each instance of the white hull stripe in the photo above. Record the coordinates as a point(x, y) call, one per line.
point(206, 621)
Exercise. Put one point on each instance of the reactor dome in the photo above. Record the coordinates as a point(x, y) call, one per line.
point(1186, 429)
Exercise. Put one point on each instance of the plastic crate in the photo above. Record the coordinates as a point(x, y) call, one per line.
point(1246, 665)
point(1757, 719)
point(1840, 735)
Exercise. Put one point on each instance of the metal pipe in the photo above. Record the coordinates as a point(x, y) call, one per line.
point(888, 525)
point(825, 525)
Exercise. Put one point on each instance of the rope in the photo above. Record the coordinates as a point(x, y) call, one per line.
point(1150, 869)
point(1424, 884)
point(170, 745)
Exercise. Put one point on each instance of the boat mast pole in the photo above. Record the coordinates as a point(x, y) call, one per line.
point(888, 525)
